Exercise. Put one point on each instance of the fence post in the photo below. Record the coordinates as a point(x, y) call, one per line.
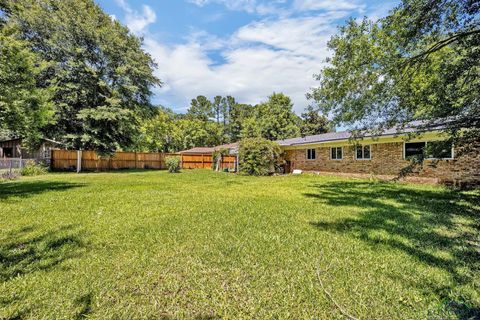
point(79, 161)
point(136, 163)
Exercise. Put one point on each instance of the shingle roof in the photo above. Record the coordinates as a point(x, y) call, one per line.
point(199, 150)
point(233, 145)
point(208, 150)
point(414, 126)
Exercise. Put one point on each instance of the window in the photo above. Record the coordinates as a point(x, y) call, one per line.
point(429, 150)
point(414, 150)
point(8, 152)
point(46, 153)
point(311, 154)
point(336, 153)
point(439, 150)
point(363, 152)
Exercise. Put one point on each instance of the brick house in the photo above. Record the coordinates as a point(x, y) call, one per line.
point(388, 154)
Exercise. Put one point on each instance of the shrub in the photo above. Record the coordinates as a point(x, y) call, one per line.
point(173, 164)
point(258, 156)
point(217, 157)
point(33, 169)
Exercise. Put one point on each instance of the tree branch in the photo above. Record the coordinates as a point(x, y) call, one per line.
point(329, 296)
point(442, 43)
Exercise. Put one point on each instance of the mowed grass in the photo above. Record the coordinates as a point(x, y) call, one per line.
point(206, 245)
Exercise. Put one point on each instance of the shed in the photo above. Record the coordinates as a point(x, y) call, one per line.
point(14, 148)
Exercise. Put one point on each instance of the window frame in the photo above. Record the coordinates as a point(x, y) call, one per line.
point(47, 152)
point(426, 143)
point(315, 154)
point(336, 153)
point(363, 151)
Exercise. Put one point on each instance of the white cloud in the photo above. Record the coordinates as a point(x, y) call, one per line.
point(310, 5)
point(245, 5)
point(260, 58)
point(261, 7)
point(279, 53)
point(136, 21)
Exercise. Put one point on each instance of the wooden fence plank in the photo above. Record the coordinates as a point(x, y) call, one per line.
point(67, 160)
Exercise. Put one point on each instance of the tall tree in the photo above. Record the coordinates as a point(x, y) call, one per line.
point(217, 108)
point(251, 128)
point(103, 78)
point(420, 62)
point(25, 108)
point(198, 133)
point(277, 119)
point(234, 114)
point(159, 133)
point(314, 123)
point(201, 108)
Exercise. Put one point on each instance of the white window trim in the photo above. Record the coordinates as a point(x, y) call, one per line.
point(331, 154)
point(426, 142)
point(363, 146)
point(306, 154)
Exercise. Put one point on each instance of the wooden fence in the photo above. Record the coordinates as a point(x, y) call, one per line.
point(90, 161)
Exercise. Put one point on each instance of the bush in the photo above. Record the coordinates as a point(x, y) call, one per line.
point(258, 156)
point(217, 157)
point(33, 169)
point(173, 164)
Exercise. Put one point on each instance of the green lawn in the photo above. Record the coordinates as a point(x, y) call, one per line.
point(208, 245)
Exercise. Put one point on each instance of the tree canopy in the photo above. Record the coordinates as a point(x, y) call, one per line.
point(100, 77)
point(24, 108)
point(224, 120)
point(421, 62)
point(276, 118)
point(314, 123)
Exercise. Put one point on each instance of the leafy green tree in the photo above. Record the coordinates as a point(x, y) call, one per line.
point(277, 119)
point(198, 133)
point(313, 122)
point(227, 104)
point(201, 108)
point(217, 108)
point(251, 128)
point(24, 108)
point(159, 133)
point(103, 78)
point(420, 62)
point(238, 114)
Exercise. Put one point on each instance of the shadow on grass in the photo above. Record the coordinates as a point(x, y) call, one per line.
point(26, 251)
point(436, 227)
point(85, 302)
point(29, 188)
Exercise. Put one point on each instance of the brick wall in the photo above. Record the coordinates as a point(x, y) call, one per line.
point(387, 159)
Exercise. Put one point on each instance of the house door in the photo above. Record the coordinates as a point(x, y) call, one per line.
point(288, 166)
point(8, 152)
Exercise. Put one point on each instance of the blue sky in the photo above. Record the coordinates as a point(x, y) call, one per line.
point(244, 48)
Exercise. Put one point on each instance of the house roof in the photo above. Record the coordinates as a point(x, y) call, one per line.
point(198, 150)
point(412, 127)
point(207, 150)
point(43, 139)
point(233, 145)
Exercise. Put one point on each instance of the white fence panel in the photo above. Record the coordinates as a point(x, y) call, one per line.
point(13, 163)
